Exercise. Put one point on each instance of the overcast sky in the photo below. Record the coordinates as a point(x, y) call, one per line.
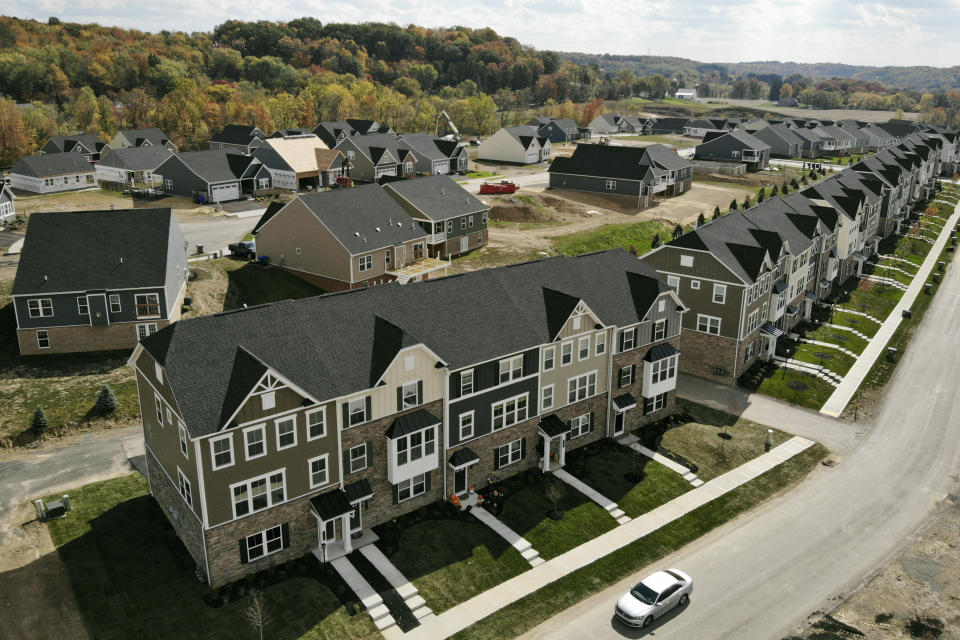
point(921, 32)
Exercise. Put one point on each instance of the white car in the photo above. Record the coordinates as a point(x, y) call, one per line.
point(654, 596)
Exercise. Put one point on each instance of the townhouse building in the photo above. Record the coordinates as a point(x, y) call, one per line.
point(261, 448)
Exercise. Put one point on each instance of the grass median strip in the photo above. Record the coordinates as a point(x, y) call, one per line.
point(638, 235)
point(526, 613)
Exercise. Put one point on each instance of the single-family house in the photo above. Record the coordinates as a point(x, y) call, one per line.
point(836, 141)
point(701, 127)
point(637, 125)
point(214, 176)
point(132, 167)
point(127, 138)
point(296, 132)
point(454, 219)
point(734, 146)
point(286, 164)
point(264, 445)
point(436, 156)
point(98, 280)
point(348, 238)
point(89, 145)
point(686, 93)
point(237, 138)
point(668, 125)
point(333, 132)
point(606, 123)
point(788, 101)
point(520, 145)
point(635, 172)
point(811, 145)
point(7, 205)
point(560, 130)
point(784, 143)
point(378, 156)
point(52, 173)
point(331, 164)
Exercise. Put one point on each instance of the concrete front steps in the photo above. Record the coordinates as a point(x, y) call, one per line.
point(633, 442)
point(813, 369)
point(890, 282)
point(857, 313)
point(368, 596)
point(845, 328)
point(516, 541)
point(409, 593)
point(609, 505)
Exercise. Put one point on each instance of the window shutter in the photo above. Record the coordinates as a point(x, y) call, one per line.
point(420, 392)
point(496, 458)
point(590, 423)
point(633, 374)
point(399, 398)
point(455, 385)
point(285, 535)
point(367, 410)
point(523, 448)
point(530, 359)
point(653, 331)
point(369, 454)
point(346, 415)
point(620, 337)
point(243, 551)
point(396, 494)
point(346, 461)
point(636, 336)
point(426, 482)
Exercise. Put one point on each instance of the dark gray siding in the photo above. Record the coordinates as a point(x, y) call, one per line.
point(481, 404)
point(185, 181)
point(65, 312)
point(457, 227)
point(176, 261)
point(595, 184)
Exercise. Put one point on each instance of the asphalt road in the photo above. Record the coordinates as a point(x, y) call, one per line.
point(216, 234)
point(761, 575)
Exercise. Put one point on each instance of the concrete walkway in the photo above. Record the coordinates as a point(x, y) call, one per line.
point(368, 596)
point(634, 443)
point(841, 396)
point(516, 541)
point(466, 613)
point(409, 593)
point(609, 505)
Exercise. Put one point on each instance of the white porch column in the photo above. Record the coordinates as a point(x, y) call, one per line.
point(347, 539)
point(562, 457)
point(546, 453)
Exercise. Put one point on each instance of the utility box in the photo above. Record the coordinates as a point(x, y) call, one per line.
point(906, 313)
point(891, 354)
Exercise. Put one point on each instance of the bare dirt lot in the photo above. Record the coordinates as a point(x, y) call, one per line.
point(915, 596)
point(822, 114)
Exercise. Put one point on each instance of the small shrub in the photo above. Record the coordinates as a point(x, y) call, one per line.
point(106, 401)
point(40, 424)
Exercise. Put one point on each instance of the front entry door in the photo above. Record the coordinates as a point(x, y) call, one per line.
point(331, 530)
point(356, 518)
point(460, 480)
point(618, 423)
point(464, 244)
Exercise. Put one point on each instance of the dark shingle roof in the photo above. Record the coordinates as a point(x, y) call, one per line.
point(214, 165)
point(464, 319)
point(137, 158)
point(553, 426)
point(627, 163)
point(52, 164)
point(438, 197)
point(410, 422)
point(363, 218)
point(138, 136)
point(463, 457)
point(82, 250)
point(90, 141)
point(241, 134)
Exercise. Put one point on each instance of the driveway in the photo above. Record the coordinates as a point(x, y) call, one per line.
point(217, 233)
point(761, 575)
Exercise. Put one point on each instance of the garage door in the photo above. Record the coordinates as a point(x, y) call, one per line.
point(223, 192)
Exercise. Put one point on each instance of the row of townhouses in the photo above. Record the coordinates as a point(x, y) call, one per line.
point(750, 276)
point(270, 435)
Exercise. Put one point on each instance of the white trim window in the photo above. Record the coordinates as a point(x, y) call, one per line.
point(719, 293)
point(356, 411)
point(549, 353)
point(674, 283)
point(695, 285)
point(708, 324)
point(410, 395)
point(158, 403)
point(610, 185)
point(656, 403)
point(365, 263)
point(184, 489)
point(83, 308)
point(255, 441)
point(753, 321)
point(581, 387)
point(264, 543)
point(184, 448)
point(546, 397)
point(579, 426)
point(416, 445)
point(258, 493)
point(411, 488)
point(43, 339)
point(221, 452)
point(286, 432)
point(268, 400)
point(566, 353)
point(601, 343)
point(145, 329)
point(626, 339)
point(319, 470)
point(466, 425)
point(662, 370)
point(147, 305)
point(511, 369)
point(659, 330)
point(466, 382)
point(316, 424)
point(583, 348)
point(626, 375)
point(40, 307)
point(357, 458)
point(509, 412)
point(509, 453)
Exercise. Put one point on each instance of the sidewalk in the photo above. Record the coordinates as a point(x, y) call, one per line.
point(466, 613)
point(851, 382)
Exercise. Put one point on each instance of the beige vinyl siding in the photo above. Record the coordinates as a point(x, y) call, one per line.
point(297, 227)
point(383, 399)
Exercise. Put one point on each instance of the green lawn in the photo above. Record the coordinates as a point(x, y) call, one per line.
point(746, 189)
point(607, 470)
point(132, 578)
point(833, 359)
point(902, 278)
point(481, 174)
point(670, 141)
point(812, 394)
point(531, 610)
point(526, 226)
point(492, 257)
point(874, 298)
point(638, 235)
point(910, 267)
point(525, 511)
point(845, 339)
point(700, 441)
point(866, 326)
point(452, 560)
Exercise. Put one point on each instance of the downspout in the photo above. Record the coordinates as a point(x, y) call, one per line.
point(611, 343)
point(445, 426)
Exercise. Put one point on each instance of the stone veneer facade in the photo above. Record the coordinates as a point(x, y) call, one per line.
point(189, 529)
point(713, 352)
